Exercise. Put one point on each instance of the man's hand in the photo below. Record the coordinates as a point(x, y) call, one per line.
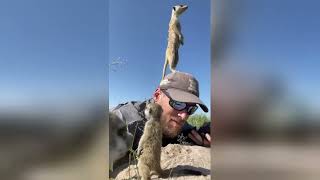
point(205, 141)
point(139, 151)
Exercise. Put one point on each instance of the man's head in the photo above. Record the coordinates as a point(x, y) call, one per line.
point(178, 95)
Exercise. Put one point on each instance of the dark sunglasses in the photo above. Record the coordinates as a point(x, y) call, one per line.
point(180, 106)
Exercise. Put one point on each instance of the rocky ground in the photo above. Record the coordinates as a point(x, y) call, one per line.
point(179, 162)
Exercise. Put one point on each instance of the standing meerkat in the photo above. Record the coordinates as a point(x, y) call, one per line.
point(149, 149)
point(175, 38)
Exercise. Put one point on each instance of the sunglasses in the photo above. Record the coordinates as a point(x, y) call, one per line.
point(180, 106)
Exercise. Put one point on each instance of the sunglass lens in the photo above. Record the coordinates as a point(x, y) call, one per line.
point(192, 109)
point(179, 105)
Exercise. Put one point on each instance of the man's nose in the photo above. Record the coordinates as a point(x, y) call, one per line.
point(184, 115)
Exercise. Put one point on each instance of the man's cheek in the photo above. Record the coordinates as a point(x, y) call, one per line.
point(174, 124)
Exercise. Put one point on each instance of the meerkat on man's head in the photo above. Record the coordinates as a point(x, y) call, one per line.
point(149, 149)
point(120, 140)
point(175, 38)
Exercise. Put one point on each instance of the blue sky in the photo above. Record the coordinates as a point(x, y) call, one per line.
point(138, 35)
point(52, 50)
point(59, 49)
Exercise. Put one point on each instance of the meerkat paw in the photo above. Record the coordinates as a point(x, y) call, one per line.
point(157, 172)
point(174, 71)
point(139, 152)
point(144, 171)
point(181, 40)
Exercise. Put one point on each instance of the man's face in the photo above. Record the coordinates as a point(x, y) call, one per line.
point(171, 119)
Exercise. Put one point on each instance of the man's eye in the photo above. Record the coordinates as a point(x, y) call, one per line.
point(180, 105)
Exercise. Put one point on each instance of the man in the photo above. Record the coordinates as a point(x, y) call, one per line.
point(178, 95)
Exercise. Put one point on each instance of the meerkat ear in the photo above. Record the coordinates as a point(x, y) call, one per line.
point(174, 8)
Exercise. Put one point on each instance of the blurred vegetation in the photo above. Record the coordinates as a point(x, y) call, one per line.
point(198, 120)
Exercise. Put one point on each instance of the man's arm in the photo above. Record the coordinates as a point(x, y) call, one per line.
point(131, 113)
point(202, 136)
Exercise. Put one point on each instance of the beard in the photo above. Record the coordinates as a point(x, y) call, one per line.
point(171, 131)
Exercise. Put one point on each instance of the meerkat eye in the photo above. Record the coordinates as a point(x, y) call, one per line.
point(122, 131)
point(181, 5)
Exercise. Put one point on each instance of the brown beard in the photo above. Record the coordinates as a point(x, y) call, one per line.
point(170, 132)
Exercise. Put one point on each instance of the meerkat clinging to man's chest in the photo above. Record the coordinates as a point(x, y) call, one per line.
point(175, 38)
point(149, 149)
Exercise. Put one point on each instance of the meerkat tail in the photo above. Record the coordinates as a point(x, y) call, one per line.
point(164, 68)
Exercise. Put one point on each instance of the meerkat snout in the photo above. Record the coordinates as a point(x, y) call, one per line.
point(179, 9)
point(153, 110)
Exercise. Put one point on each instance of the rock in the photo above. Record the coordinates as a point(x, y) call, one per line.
point(178, 162)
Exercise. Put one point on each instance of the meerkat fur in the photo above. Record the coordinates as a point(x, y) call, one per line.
point(120, 139)
point(175, 38)
point(149, 149)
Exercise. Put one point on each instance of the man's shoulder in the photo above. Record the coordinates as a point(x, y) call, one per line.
point(134, 106)
point(123, 105)
point(130, 111)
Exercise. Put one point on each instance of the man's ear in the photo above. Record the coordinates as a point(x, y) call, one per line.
point(157, 94)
